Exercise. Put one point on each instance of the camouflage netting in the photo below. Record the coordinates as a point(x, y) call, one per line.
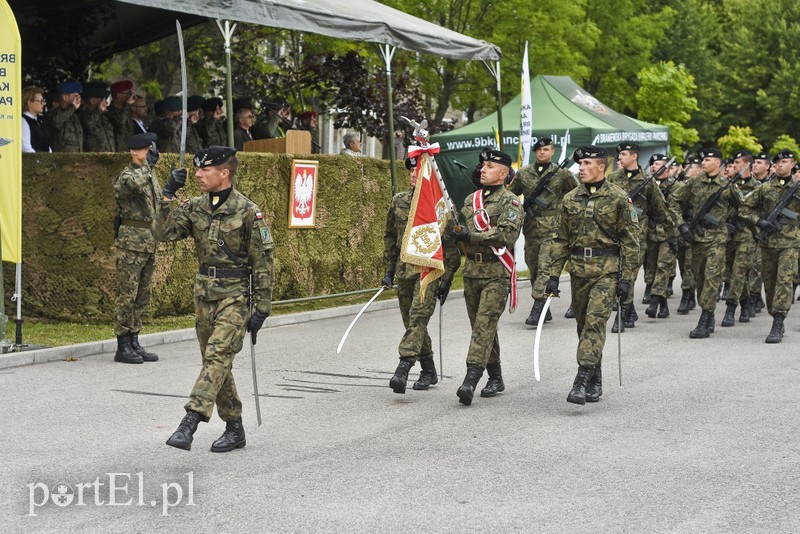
point(68, 242)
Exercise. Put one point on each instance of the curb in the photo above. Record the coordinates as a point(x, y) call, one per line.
point(109, 346)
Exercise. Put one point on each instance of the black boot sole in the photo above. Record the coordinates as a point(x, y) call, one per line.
point(123, 360)
point(465, 396)
point(576, 399)
point(485, 393)
point(593, 399)
point(419, 386)
point(229, 448)
point(179, 444)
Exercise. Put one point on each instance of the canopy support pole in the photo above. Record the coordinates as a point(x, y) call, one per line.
point(495, 71)
point(3, 317)
point(387, 53)
point(227, 32)
point(17, 297)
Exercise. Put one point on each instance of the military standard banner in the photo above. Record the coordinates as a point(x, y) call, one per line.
point(10, 137)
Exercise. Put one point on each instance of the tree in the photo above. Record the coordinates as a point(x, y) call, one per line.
point(666, 96)
point(785, 141)
point(737, 138)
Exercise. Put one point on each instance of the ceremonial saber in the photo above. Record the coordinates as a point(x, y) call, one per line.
point(253, 354)
point(619, 341)
point(184, 97)
point(441, 358)
point(347, 332)
point(539, 337)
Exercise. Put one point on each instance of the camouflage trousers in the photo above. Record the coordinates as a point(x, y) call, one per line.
point(220, 330)
point(684, 258)
point(592, 299)
point(134, 275)
point(639, 261)
point(708, 266)
point(486, 299)
point(754, 274)
point(537, 258)
point(744, 253)
point(659, 266)
point(416, 342)
point(778, 270)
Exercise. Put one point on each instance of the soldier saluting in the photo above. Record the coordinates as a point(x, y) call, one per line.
point(233, 243)
point(598, 231)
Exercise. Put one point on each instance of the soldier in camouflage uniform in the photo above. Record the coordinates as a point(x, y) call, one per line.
point(649, 204)
point(123, 95)
point(761, 172)
point(598, 231)
point(65, 127)
point(98, 131)
point(684, 256)
point(486, 281)
point(212, 129)
point(136, 191)
point(741, 245)
point(540, 215)
point(415, 310)
point(168, 127)
point(233, 243)
point(779, 251)
point(709, 236)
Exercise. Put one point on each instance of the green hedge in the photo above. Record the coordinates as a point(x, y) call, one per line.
point(68, 242)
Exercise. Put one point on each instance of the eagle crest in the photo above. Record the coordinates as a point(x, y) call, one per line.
point(303, 193)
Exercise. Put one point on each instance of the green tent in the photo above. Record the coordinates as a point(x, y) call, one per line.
point(563, 111)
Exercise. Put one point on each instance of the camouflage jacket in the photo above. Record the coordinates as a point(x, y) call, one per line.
point(123, 125)
point(212, 132)
point(762, 200)
point(648, 204)
point(136, 192)
point(396, 223)
point(658, 231)
point(194, 143)
point(168, 132)
point(603, 219)
point(547, 203)
point(98, 132)
point(742, 233)
point(67, 129)
point(505, 216)
point(240, 225)
point(694, 193)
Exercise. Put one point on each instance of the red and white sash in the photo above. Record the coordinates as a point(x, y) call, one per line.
point(482, 223)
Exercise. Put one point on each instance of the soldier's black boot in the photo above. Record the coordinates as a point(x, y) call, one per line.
point(467, 389)
point(594, 390)
point(630, 316)
point(701, 330)
point(670, 292)
point(495, 383)
point(683, 307)
point(760, 303)
point(570, 314)
point(548, 316)
point(125, 352)
point(400, 378)
point(232, 438)
point(729, 319)
point(615, 326)
point(744, 313)
point(710, 322)
point(182, 438)
point(776, 333)
point(647, 297)
point(536, 311)
point(138, 349)
point(578, 393)
point(427, 377)
point(692, 300)
point(652, 309)
point(663, 308)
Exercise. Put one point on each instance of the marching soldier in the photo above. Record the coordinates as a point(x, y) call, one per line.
point(136, 192)
point(688, 301)
point(544, 184)
point(234, 250)
point(708, 234)
point(598, 231)
point(761, 169)
point(781, 239)
point(493, 222)
point(415, 310)
point(649, 203)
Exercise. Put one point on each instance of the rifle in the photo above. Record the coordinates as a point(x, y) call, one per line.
point(533, 198)
point(780, 210)
point(639, 189)
point(703, 214)
point(678, 178)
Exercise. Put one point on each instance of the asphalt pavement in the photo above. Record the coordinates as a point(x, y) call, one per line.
point(701, 436)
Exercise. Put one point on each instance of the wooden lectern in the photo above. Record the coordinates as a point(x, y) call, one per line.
point(295, 142)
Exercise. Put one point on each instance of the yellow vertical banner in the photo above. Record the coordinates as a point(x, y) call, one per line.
point(10, 136)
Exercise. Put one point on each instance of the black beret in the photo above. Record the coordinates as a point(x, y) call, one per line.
point(675, 163)
point(142, 140)
point(630, 147)
point(499, 157)
point(742, 153)
point(711, 153)
point(213, 156)
point(173, 103)
point(483, 155)
point(95, 90)
point(211, 104)
point(728, 161)
point(762, 155)
point(589, 152)
point(691, 159)
point(783, 154)
point(411, 163)
point(658, 157)
point(542, 142)
point(194, 102)
point(158, 107)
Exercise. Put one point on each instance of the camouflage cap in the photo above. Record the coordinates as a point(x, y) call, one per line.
point(213, 156)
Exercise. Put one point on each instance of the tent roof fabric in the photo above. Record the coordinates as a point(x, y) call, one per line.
point(359, 20)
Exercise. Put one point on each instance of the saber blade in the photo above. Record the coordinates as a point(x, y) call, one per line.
point(184, 92)
point(441, 358)
point(619, 341)
point(539, 337)
point(255, 380)
point(347, 332)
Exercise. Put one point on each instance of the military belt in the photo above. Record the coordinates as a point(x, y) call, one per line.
point(217, 272)
point(589, 252)
point(137, 224)
point(483, 257)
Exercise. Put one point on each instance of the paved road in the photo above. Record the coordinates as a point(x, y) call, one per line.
point(701, 438)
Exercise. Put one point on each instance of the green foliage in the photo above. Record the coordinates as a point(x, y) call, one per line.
point(785, 141)
point(738, 137)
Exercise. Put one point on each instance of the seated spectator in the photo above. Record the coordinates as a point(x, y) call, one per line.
point(139, 112)
point(66, 132)
point(241, 134)
point(35, 137)
point(352, 144)
point(98, 132)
